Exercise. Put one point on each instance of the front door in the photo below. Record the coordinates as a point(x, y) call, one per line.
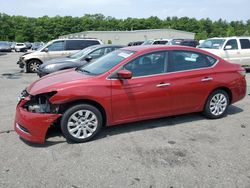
point(147, 94)
point(55, 50)
point(231, 51)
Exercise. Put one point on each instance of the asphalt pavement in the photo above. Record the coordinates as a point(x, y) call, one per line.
point(181, 151)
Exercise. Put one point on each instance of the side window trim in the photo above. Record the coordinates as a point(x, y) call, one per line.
point(230, 40)
point(64, 42)
point(171, 52)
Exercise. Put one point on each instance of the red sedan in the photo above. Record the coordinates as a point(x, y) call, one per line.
point(127, 85)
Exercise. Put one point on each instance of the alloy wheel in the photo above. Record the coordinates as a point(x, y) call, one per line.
point(82, 124)
point(218, 104)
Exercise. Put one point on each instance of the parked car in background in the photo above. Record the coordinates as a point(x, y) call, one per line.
point(127, 85)
point(135, 43)
point(36, 45)
point(54, 49)
point(5, 46)
point(12, 45)
point(78, 59)
point(20, 47)
point(233, 49)
point(175, 41)
point(28, 45)
point(189, 42)
point(155, 41)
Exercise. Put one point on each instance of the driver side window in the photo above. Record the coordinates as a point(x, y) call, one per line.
point(233, 44)
point(149, 64)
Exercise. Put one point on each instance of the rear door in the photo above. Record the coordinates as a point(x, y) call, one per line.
point(245, 51)
point(145, 95)
point(191, 80)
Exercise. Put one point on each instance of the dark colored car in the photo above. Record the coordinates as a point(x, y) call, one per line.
point(76, 60)
point(28, 45)
point(36, 45)
point(189, 42)
point(136, 43)
point(5, 46)
point(127, 85)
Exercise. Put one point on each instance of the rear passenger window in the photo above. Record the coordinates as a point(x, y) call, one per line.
point(79, 44)
point(186, 60)
point(245, 43)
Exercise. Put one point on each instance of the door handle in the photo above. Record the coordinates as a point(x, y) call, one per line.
point(163, 85)
point(206, 79)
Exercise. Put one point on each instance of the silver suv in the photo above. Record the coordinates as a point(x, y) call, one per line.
point(54, 49)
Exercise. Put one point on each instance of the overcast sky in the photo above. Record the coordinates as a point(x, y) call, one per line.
point(213, 9)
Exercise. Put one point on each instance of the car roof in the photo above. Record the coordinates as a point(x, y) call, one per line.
point(157, 47)
point(152, 48)
point(233, 37)
point(108, 45)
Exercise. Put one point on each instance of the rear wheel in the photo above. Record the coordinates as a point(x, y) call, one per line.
point(216, 104)
point(33, 65)
point(81, 122)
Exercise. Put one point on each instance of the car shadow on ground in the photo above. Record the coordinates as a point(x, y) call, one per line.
point(132, 127)
point(3, 53)
point(161, 122)
point(12, 75)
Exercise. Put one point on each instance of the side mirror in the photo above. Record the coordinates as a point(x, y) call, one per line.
point(228, 47)
point(88, 58)
point(124, 74)
point(46, 50)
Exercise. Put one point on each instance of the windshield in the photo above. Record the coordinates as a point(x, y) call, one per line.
point(212, 43)
point(4, 43)
point(147, 42)
point(106, 62)
point(82, 53)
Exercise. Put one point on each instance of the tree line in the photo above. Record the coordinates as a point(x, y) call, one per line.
point(21, 28)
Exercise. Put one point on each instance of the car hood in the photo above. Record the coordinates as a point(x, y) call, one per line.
point(57, 81)
point(59, 61)
point(213, 51)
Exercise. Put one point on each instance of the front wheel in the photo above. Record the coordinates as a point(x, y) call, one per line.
point(81, 122)
point(216, 104)
point(33, 65)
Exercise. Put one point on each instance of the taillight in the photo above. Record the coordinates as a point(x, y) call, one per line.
point(242, 72)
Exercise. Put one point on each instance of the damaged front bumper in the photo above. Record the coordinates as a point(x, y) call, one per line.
point(32, 124)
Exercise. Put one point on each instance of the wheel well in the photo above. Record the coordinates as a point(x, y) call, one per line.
point(34, 59)
point(65, 106)
point(28, 62)
point(227, 90)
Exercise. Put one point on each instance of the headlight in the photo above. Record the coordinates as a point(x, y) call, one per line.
point(49, 67)
point(22, 95)
point(40, 104)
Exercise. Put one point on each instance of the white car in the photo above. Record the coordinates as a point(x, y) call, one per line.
point(20, 47)
point(233, 49)
point(155, 41)
point(54, 49)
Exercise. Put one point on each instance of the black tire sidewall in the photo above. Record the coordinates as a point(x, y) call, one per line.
point(28, 65)
point(207, 111)
point(72, 110)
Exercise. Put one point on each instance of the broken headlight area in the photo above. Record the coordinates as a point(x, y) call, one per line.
point(41, 104)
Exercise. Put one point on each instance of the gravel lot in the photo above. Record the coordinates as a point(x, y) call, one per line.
point(183, 151)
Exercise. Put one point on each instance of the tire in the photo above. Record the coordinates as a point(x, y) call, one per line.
point(81, 122)
point(216, 104)
point(33, 65)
